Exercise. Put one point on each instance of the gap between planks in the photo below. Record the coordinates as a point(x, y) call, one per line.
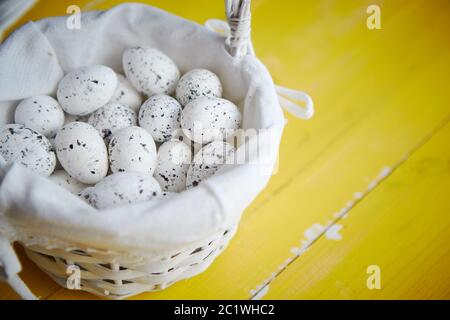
point(259, 292)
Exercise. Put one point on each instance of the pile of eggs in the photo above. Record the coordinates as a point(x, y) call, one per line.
point(100, 140)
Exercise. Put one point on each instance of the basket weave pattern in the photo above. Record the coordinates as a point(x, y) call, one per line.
point(117, 276)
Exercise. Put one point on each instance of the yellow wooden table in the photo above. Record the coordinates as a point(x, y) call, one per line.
point(360, 206)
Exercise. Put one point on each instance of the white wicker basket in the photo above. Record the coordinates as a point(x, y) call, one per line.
point(118, 275)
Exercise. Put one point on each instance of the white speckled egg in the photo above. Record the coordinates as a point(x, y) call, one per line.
point(206, 119)
point(85, 194)
point(68, 118)
point(82, 152)
point(52, 142)
point(64, 180)
point(126, 94)
point(179, 135)
point(160, 116)
point(86, 89)
point(174, 159)
point(41, 113)
point(208, 161)
point(112, 117)
point(150, 71)
point(132, 149)
point(124, 188)
point(27, 147)
point(198, 83)
point(167, 194)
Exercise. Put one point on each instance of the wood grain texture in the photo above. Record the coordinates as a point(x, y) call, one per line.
point(402, 227)
point(378, 95)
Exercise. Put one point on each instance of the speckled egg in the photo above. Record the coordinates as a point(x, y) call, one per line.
point(41, 113)
point(206, 119)
point(179, 135)
point(198, 83)
point(86, 89)
point(126, 94)
point(150, 71)
point(208, 161)
point(174, 159)
point(124, 188)
point(112, 117)
point(68, 118)
point(82, 152)
point(132, 149)
point(85, 194)
point(52, 142)
point(64, 180)
point(160, 116)
point(167, 194)
point(27, 147)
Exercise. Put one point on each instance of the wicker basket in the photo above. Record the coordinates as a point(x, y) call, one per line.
point(117, 275)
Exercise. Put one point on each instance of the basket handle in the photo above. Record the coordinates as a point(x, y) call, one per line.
point(239, 43)
point(9, 270)
point(239, 21)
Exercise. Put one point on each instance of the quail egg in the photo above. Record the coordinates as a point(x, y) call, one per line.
point(206, 119)
point(40, 113)
point(27, 147)
point(86, 89)
point(150, 71)
point(198, 83)
point(82, 152)
point(124, 188)
point(174, 159)
point(132, 149)
point(64, 180)
point(126, 94)
point(160, 116)
point(208, 161)
point(112, 117)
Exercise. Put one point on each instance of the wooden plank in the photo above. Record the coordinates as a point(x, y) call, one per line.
point(402, 227)
point(370, 114)
point(367, 119)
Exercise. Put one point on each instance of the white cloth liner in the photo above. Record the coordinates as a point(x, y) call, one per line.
point(33, 60)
